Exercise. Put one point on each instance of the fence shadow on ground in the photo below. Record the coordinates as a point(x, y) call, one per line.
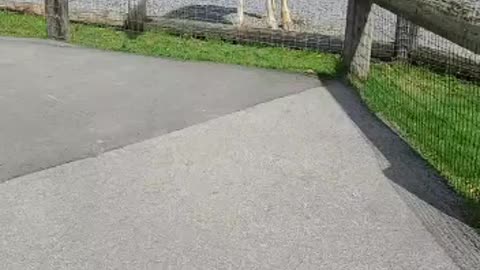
point(206, 13)
point(425, 192)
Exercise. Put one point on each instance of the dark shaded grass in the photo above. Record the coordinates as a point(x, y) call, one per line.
point(439, 116)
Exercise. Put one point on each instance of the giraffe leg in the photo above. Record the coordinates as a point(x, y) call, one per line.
point(240, 13)
point(286, 19)
point(271, 15)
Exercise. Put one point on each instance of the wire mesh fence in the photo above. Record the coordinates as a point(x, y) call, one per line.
point(309, 25)
point(425, 86)
point(429, 90)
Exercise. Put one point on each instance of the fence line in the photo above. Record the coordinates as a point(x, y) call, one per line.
point(403, 45)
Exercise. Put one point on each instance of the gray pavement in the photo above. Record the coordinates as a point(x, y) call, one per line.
point(60, 104)
point(280, 171)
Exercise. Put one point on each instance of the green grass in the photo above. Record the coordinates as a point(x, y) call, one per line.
point(157, 43)
point(18, 25)
point(438, 114)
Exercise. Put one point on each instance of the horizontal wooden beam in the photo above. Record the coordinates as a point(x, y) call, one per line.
point(455, 20)
point(248, 35)
point(460, 66)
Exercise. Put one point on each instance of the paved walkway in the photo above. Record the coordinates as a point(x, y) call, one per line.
point(211, 167)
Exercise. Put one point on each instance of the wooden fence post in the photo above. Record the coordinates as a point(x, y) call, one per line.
point(137, 15)
point(358, 38)
point(405, 38)
point(58, 25)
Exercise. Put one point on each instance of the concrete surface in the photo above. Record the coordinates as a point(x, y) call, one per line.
point(59, 104)
point(307, 181)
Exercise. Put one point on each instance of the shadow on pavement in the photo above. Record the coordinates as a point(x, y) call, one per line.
point(206, 13)
point(425, 192)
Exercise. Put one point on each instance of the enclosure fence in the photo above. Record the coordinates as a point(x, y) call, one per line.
point(430, 92)
point(416, 63)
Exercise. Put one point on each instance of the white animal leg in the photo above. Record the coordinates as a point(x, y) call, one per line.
point(286, 19)
point(271, 15)
point(240, 12)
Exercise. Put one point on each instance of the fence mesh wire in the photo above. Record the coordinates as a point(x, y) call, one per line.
point(429, 90)
point(313, 26)
point(423, 85)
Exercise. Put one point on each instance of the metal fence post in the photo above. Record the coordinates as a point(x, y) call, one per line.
point(58, 25)
point(358, 38)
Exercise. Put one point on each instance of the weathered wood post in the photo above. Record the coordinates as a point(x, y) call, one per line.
point(58, 25)
point(358, 38)
point(137, 15)
point(405, 38)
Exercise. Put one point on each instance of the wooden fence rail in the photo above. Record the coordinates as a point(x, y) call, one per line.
point(456, 21)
